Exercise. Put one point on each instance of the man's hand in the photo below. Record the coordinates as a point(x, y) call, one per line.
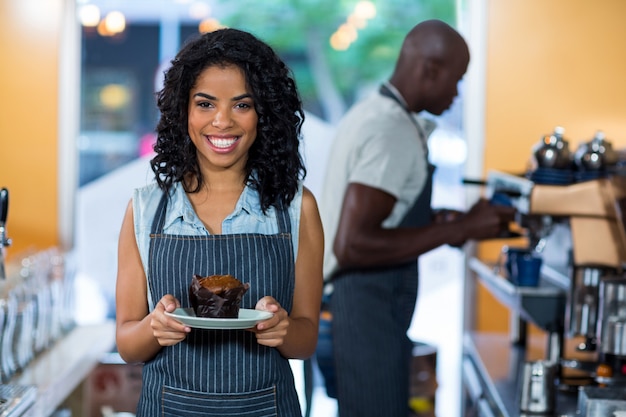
point(484, 221)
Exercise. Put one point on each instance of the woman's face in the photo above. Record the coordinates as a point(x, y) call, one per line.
point(222, 121)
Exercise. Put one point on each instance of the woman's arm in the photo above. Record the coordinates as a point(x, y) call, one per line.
point(140, 334)
point(295, 336)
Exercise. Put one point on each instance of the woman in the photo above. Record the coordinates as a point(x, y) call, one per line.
point(228, 199)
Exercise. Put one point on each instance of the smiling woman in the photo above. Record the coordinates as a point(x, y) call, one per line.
point(227, 199)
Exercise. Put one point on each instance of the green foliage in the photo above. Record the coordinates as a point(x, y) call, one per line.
point(293, 27)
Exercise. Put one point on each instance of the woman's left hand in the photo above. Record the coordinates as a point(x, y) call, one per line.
point(271, 332)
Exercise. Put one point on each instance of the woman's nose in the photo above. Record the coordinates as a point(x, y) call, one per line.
point(222, 119)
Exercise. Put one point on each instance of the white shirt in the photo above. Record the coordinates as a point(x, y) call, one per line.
point(377, 144)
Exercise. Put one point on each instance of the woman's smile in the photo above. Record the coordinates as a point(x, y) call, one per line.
point(222, 143)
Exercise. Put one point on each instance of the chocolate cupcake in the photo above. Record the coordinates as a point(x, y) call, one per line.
point(216, 296)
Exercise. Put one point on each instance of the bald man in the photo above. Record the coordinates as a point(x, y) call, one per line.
point(377, 216)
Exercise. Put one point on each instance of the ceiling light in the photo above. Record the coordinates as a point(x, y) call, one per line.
point(89, 15)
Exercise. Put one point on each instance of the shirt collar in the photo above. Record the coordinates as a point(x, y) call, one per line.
point(250, 203)
point(179, 207)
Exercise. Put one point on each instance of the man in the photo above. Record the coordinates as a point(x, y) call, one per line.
point(377, 219)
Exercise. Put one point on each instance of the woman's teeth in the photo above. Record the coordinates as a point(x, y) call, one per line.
point(223, 142)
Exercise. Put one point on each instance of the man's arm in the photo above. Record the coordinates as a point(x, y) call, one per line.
point(361, 241)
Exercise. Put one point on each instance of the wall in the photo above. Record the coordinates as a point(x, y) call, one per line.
point(29, 41)
point(556, 62)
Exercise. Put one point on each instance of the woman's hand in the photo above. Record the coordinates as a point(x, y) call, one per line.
point(271, 332)
point(167, 330)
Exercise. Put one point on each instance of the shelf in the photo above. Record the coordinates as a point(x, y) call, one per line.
point(544, 305)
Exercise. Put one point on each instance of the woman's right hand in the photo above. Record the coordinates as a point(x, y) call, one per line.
point(167, 330)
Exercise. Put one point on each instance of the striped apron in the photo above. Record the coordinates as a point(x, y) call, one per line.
point(372, 310)
point(220, 372)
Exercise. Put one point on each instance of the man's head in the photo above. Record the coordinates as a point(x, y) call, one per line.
point(433, 59)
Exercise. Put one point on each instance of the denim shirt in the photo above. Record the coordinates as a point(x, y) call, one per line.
point(181, 219)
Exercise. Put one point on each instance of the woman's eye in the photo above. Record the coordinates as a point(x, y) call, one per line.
point(243, 106)
point(204, 104)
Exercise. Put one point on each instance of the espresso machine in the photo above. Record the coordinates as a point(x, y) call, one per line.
point(581, 197)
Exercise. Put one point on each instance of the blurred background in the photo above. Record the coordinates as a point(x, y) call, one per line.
point(337, 50)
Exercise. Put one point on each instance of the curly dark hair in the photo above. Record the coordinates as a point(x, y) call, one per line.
point(274, 165)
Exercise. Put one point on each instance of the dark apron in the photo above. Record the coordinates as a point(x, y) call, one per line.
point(371, 311)
point(220, 372)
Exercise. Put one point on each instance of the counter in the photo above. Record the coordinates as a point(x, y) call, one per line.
point(493, 362)
point(57, 371)
point(492, 369)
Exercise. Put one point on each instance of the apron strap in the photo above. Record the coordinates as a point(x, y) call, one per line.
point(384, 90)
point(282, 217)
point(159, 216)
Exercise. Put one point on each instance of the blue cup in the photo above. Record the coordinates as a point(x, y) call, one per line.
point(523, 266)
